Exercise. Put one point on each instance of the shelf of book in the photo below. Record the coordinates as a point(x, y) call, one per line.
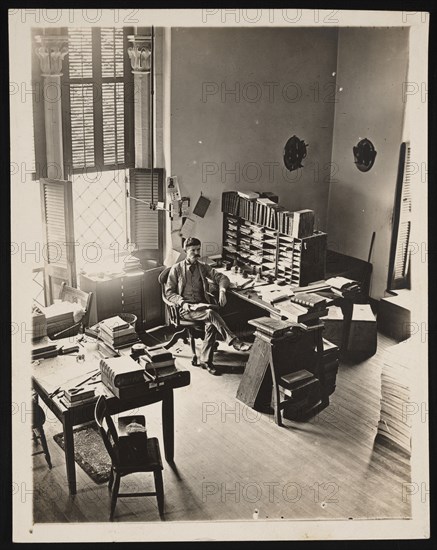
point(272, 246)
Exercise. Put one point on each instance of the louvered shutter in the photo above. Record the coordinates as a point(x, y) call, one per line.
point(59, 251)
point(400, 245)
point(146, 224)
point(98, 103)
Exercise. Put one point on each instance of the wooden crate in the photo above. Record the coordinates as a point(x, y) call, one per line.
point(362, 333)
point(394, 317)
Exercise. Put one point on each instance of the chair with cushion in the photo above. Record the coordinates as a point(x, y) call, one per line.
point(74, 296)
point(129, 454)
point(185, 329)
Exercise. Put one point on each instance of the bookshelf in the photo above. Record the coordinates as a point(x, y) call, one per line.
point(259, 233)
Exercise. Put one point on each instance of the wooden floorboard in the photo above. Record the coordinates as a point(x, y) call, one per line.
point(231, 460)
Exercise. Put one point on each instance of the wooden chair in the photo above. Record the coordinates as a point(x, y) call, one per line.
point(129, 454)
point(185, 329)
point(38, 420)
point(294, 388)
point(74, 296)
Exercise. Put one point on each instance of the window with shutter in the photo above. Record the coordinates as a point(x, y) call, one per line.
point(97, 103)
point(146, 224)
point(98, 143)
point(58, 233)
point(400, 245)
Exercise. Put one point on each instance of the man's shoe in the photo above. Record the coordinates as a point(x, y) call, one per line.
point(210, 368)
point(239, 345)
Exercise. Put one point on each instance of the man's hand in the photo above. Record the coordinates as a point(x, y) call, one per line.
point(185, 306)
point(222, 297)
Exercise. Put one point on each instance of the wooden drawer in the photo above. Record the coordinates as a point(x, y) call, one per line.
point(131, 283)
point(132, 295)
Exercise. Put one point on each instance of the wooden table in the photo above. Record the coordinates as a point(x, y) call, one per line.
point(63, 371)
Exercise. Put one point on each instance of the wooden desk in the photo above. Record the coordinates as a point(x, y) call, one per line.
point(302, 348)
point(64, 372)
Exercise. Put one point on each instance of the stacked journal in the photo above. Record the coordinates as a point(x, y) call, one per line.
point(330, 364)
point(78, 396)
point(116, 333)
point(294, 310)
point(296, 385)
point(123, 376)
point(158, 363)
point(344, 287)
point(131, 263)
point(270, 326)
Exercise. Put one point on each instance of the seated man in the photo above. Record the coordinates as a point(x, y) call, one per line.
point(187, 287)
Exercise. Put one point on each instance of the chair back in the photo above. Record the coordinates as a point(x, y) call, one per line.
point(38, 415)
point(76, 296)
point(163, 276)
point(171, 309)
point(107, 428)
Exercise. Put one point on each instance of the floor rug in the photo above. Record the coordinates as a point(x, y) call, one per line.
point(89, 452)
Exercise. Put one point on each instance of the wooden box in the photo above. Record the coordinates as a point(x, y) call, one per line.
point(334, 326)
point(363, 331)
point(394, 317)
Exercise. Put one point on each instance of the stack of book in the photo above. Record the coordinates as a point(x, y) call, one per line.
point(116, 333)
point(265, 212)
point(293, 308)
point(123, 376)
point(303, 224)
point(247, 204)
point(270, 326)
point(230, 202)
point(253, 206)
point(44, 351)
point(296, 385)
point(131, 263)
point(158, 363)
point(330, 365)
point(344, 287)
point(285, 222)
point(300, 390)
point(309, 300)
point(78, 396)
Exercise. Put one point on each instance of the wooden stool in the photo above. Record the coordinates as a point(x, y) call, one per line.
point(129, 455)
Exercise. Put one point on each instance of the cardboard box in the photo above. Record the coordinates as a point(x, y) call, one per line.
point(363, 331)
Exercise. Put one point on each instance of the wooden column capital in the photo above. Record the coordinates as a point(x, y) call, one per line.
point(140, 53)
point(51, 50)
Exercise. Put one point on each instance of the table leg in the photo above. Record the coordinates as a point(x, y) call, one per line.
point(168, 425)
point(69, 453)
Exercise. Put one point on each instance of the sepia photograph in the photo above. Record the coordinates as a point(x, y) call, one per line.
point(219, 253)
